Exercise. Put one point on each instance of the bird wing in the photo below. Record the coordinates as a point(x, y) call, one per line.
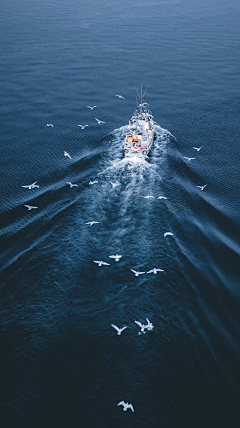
point(25, 186)
point(140, 273)
point(139, 323)
point(131, 407)
point(104, 263)
point(123, 328)
point(121, 403)
point(112, 257)
point(114, 326)
point(134, 271)
point(27, 206)
point(150, 271)
point(97, 261)
point(160, 270)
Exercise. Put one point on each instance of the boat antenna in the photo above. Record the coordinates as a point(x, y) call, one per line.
point(145, 91)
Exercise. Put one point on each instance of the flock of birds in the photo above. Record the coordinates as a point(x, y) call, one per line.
point(84, 126)
point(143, 327)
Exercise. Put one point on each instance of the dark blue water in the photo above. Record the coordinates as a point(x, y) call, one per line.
point(62, 364)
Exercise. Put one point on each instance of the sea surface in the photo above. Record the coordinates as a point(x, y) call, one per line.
point(62, 363)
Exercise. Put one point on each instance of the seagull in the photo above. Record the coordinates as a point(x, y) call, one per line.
point(185, 157)
point(119, 330)
point(83, 126)
point(117, 257)
point(202, 187)
point(149, 325)
point(114, 184)
point(141, 326)
point(168, 233)
point(93, 182)
point(31, 186)
point(30, 207)
point(100, 263)
point(91, 107)
point(93, 222)
point(137, 273)
point(67, 154)
point(155, 271)
point(197, 148)
point(49, 124)
point(120, 96)
point(148, 197)
point(161, 197)
point(71, 184)
point(126, 406)
point(99, 121)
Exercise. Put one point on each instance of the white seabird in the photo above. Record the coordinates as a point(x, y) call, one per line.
point(92, 222)
point(126, 406)
point(149, 196)
point(91, 107)
point(149, 325)
point(67, 154)
point(119, 330)
point(188, 159)
point(137, 273)
point(168, 234)
point(83, 126)
point(114, 184)
point(197, 148)
point(117, 257)
point(142, 326)
point(31, 186)
point(155, 271)
point(161, 197)
point(71, 184)
point(100, 263)
point(120, 96)
point(202, 187)
point(30, 207)
point(93, 182)
point(99, 121)
point(49, 124)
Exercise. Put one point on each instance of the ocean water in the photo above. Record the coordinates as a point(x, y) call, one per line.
point(62, 364)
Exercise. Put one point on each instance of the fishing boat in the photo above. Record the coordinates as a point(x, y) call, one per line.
point(140, 131)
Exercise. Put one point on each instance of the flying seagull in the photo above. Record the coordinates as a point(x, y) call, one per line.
point(137, 273)
point(67, 154)
point(91, 107)
point(83, 126)
point(148, 197)
point(93, 182)
point(30, 207)
point(119, 330)
point(168, 234)
point(71, 184)
point(155, 271)
point(117, 257)
point(188, 159)
point(126, 406)
point(197, 148)
point(202, 187)
point(149, 325)
point(100, 263)
point(114, 184)
point(161, 197)
point(142, 326)
point(93, 222)
point(99, 121)
point(120, 96)
point(49, 124)
point(31, 186)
